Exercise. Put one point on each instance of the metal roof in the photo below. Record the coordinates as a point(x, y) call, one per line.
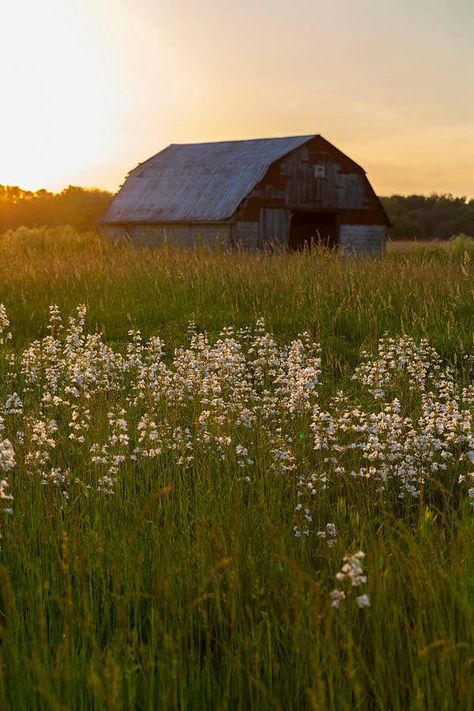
point(200, 182)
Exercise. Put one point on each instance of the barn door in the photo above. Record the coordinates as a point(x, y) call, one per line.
point(274, 227)
point(313, 228)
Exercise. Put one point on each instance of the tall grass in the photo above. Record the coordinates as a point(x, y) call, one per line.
point(345, 303)
point(186, 589)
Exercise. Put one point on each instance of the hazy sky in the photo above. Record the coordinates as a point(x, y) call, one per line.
point(91, 87)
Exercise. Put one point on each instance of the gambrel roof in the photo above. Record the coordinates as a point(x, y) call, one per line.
point(199, 182)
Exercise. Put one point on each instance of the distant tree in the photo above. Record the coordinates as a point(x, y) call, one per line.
point(428, 218)
point(75, 206)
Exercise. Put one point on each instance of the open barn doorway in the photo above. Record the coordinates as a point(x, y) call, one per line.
point(308, 228)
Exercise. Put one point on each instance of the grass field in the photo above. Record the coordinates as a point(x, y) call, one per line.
point(203, 508)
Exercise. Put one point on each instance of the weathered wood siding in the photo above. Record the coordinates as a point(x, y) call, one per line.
point(362, 239)
point(177, 235)
point(274, 226)
point(245, 235)
point(291, 183)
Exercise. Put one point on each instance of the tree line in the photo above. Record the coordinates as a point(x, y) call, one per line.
point(429, 218)
point(412, 216)
point(78, 207)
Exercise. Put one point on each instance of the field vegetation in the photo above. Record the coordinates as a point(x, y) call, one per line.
point(235, 481)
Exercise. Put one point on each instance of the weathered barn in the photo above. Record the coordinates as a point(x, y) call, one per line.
point(284, 192)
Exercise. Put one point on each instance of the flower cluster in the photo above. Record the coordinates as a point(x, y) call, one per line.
point(419, 363)
point(75, 407)
point(351, 572)
point(411, 426)
point(7, 463)
point(5, 334)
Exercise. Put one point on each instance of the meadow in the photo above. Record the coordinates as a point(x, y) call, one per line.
point(235, 481)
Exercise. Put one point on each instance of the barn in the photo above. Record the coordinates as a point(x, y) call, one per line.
point(270, 192)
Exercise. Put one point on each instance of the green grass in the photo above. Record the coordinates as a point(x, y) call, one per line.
point(345, 303)
point(186, 589)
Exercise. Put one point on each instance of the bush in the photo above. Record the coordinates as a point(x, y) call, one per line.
point(462, 244)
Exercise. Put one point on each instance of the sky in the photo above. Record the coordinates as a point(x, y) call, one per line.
point(90, 88)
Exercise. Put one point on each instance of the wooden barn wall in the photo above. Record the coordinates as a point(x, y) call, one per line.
point(273, 230)
point(184, 235)
point(362, 239)
point(342, 188)
point(274, 227)
point(245, 235)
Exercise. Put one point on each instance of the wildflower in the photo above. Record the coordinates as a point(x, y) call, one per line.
point(337, 596)
point(13, 405)
point(7, 455)
point(3, 490)
point(329, 534)
point(470, 494)
point(5, 334)
point(351, 571)
point(363, 600)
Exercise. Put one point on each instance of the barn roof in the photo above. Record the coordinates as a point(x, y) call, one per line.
point(199, 182)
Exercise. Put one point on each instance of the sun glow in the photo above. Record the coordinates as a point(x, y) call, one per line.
point(55, 119)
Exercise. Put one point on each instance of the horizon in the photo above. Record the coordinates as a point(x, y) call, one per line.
point(384, 84)
point(58, 191)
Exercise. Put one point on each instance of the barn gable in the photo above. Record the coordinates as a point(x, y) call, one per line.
point(317, 176)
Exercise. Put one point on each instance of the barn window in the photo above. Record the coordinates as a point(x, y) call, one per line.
point(320, 170)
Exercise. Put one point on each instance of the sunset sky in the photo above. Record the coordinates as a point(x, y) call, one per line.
point(92, 87)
